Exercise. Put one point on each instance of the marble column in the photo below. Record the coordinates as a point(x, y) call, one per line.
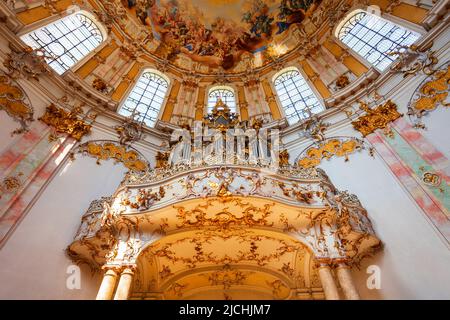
point(125, 282)
point(344, 276)
point(106, 290)
point(328, 284)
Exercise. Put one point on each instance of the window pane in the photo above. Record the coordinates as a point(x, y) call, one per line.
point(374, 38)
point(226, 95)
point(65, 41)
point(145, 98)
point(296, 97)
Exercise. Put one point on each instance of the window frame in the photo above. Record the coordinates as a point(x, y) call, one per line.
point(55, 18)
point(221, 87)
point(133, 85)
point(308, 82)
point(409, 26)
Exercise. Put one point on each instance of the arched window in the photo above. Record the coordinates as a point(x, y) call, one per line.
point(146, 98)
point(224, 93)
point(296, 97)
point(66, 41)
point(374, 38)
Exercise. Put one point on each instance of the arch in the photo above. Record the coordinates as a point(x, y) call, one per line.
point(295, 95)
point(225, 264)
point(67, 40)
point(372, 37)
point(225, 93)
point(146, 98)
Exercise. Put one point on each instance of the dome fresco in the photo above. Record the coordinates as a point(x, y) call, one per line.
point(220, 33)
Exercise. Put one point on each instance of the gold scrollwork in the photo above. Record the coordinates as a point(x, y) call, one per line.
point(377, 118)
point(15, 103)
point(10, 184)
point(432, 93)
point(102, 150)
point(342, 81)
point(332, 147)
point(225, 220)
point(66, 122)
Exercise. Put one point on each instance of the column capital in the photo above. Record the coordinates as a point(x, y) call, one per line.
point(120, 269)
point(323, 262)
point(341, 263)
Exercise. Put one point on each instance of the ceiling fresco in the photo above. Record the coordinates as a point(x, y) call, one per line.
point(219, 33)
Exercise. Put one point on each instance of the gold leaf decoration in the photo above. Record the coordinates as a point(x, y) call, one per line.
point(430, 94)
point(66, 122)
point(327, 149)
point(105, 150)
point(14, 101)
point(377, 118)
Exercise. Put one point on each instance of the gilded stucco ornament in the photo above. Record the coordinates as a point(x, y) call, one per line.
point(10, 184)
point(15, 103)
point(430, 94)
point(432, 179)
point(100, 85)
point(377, 118)
point(342, 81)
point(105, 150)
point(414, 59)
point(162, 159)
point(66, 122)
point(130, 130)
point(26, 62)
point(314, 128)
point(332, 147)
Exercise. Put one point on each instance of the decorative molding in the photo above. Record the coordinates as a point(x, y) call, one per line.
point(105, 150)
point(15, 103)
point(414, 59)
point(430, 94)
point(27, 62)
point(63, 121)
point(130, 130)
point(377, 118)
point(331, 147)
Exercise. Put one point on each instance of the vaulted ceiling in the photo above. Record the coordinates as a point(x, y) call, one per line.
point(221, 33)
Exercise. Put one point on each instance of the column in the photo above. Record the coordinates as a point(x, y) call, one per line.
point(106, 290)
point(344, 276)
point(124, 286)
point(200, 105)
point(171, 101)
point(345, 57)
point(89, 66)
point(315, 79)
point(328, 284)
point(126, 81)
point(270, 98)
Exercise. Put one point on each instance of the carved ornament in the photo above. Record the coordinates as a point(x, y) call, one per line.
point(27, 62)
point(130, 130)
point(432, 93)
point(413, 59)
point(332, 147)
point(377, 118)
point(105, 150)
point(67, 122)
point(15, 103)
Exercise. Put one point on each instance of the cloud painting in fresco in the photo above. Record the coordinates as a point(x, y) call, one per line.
point(218, 32)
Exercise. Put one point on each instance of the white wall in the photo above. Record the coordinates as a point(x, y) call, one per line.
point(34, 264)
point(415, 261)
